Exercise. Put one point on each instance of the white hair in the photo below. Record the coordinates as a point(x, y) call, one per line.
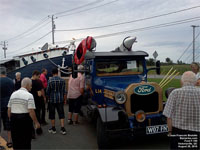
point(18, 74)
point(80, 67)
point(26, 81)
point(188, 77)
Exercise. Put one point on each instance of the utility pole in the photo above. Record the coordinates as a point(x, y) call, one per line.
point(193, 26)
point(53, 28)
point(4, 48)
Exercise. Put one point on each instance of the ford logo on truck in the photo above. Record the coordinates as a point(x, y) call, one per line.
point(144, 89)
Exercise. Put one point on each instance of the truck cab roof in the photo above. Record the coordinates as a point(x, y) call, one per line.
point(92, 55)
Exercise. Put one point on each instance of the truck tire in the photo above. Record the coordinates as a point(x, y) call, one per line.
point(102, 137)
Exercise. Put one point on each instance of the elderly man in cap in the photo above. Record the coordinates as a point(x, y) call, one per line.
point(7, 88)
point(75, 92)
point(183, 110)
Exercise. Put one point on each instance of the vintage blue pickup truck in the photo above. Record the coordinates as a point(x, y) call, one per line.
point(120, 98)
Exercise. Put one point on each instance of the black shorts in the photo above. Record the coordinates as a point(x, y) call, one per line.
point(60, 109)
point(75, 105)
point(4, 116)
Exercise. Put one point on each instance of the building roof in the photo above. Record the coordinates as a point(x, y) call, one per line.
point(5, 61)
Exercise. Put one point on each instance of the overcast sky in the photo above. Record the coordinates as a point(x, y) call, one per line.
point(19, 16)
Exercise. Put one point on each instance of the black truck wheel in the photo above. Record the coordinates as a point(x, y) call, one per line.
point(102, 137)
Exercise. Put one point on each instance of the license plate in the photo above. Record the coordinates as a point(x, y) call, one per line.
point(156, 129)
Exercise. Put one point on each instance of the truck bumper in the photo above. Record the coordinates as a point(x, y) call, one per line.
point(153, 125)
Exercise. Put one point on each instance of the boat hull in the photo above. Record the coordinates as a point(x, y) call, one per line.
point(49, 64)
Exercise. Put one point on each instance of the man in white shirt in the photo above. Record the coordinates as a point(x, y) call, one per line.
point(22, 115)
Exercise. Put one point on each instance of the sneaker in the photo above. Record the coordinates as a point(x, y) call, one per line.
point(62, 130)
point(52, 130)
point(70, 121)
point(9, 144)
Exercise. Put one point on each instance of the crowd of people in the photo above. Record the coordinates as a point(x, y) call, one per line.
point(23, 104)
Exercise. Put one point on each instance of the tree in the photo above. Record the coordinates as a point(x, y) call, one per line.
point(168, 60)
point(180, 62)
point(150, 62)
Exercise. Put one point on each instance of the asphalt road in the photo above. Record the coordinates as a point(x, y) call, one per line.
point(83, 136)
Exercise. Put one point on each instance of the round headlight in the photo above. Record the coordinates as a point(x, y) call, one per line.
point(120, 97)
point(140, 115)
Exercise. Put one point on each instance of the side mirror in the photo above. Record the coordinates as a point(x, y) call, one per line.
point(158, 67)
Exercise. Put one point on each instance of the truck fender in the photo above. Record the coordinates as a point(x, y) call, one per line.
point(110, 114)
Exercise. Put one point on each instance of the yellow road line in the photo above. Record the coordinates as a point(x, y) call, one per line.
point(3, 143)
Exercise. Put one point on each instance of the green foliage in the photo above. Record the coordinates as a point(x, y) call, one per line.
point(150, 62)
point(179, 62)
point(165, 68)
point(174, 83)
point(167, 59)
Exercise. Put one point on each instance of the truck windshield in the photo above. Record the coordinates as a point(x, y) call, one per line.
point(119, 67)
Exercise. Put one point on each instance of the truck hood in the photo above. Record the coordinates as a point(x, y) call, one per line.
point(117, 83)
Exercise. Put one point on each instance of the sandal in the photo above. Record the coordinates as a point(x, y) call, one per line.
point(9, 145)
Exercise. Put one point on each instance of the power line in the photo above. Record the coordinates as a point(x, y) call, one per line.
point(89, 9)
point(46, 18)
point(197, 56)
point(92, 3)
point(127, 22)
point(188, 58)
point(185, 51)
point(188, 47)
point(40, 22)
point(25, 35)
point(33, 42)
point(140, 29)
point(153, 27)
